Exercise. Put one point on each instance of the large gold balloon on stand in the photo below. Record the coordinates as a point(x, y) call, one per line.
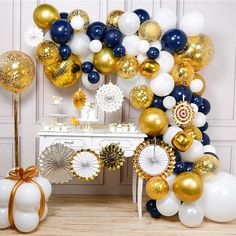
point(197, 76)
point(182, 141)
point(194, 132)
point(149, 68)
point(113, 18)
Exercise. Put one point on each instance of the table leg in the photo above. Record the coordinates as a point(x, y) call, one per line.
point(134, 186)
point(140, 194)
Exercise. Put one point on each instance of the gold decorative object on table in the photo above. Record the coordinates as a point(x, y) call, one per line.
point(79, 99)
point(182, 141)
point(74, 121)
point(149, 68)
point(194, 132)
point(113, 18)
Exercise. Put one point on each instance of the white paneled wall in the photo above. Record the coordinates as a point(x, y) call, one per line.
point(16, 17)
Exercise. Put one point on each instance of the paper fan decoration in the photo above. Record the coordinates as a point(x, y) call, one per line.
point(79, 99)
point(109, 97)
point(54, 163)
point(154, 158)
point(85, 164)
point(112, 156)
point(33, 36)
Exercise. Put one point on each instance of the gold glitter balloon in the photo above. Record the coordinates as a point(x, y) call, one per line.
point(113, 18)
point(149, 68)
point(206, 166)
point(64, 73)
point(194, 132)
point(183, 73)
point(188, 186)
point(127, 67)
point(150, 31)
point(47, 52)
point(182, 141)
point(197, 76)
point(44, 15)
point(141, 96)
point(157, 188)
point(16, 71)
point(198, 52)
point(104, 61)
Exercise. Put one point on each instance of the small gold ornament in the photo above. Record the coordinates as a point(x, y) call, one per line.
point(182, 141)
point(74, 121)
point(149, 68)
point(198, 76)
point(194, 132)
point(113, 18)
point(79, 99)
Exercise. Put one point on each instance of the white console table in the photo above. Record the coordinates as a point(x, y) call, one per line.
point(96, 140)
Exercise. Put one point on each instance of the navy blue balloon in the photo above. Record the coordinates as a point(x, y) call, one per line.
point(174, 40)
point(152, 209)
point(61, 31)
point(153, 53)
point(204, 128)
point(119, 50)
point(197, 100)
point(87, 67)
point(93, 77)
point(188, 166)
point(205, 139)
point(96, 30)
point(213, 154)
point(158, 103)
point(142, 14)
point(65, 51)
point(205, 107)
point(181, 93)
point(177, 155)
point(112, 37)
point(64, 15)
point(179, 168)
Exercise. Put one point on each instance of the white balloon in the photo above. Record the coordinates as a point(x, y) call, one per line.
point(199, 120)
point(169, 102)
point(166, 61)
point(196, 85)
point(169, 205)
point(191, 215)
point(220, 198)
point(46, 186)
point(141, 58)
point(192, 23)
point(129, 23)
point(209, 148)
point(143, 46)
point(4, 223)
point(95, 46)
point(170, 117)
point(6, 186)
point(162, 85)
point(156, 44)
point(88, 57)
point(131, 45)
point(170, 179)
point(195, 107)
point(77, 22)
point(170, 133)
point(194, 152)
point(89, 85)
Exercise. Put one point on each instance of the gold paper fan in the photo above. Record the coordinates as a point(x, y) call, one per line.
point(79, 99)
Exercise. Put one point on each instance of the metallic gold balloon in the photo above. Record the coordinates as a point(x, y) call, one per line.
point(16, 71)
point(64, 73)
point(199, 51)
point(153, 121)
point(194, 132)
point(44, 15)
point(206, 166)
point(47, 52)
point(127, 67)
point(157, 188)
point(197, 76)
point(183, 73)
point(104, 61)
point(141, 96)
point(182, 141)
point(149, 68)
point(150, 31)
point(188, 186)
point(113, 18)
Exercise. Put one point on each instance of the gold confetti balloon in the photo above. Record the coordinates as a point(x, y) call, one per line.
point(157, 188)
point(16, 71)
point(127, 67)
point(206, 166)
point(44, 15)
point(113, 18)
point(182, 141)
point(150, 31)
point(197, 76)
point(64, 73)
point(141, 96)
point(194, 132)
point(149, 68)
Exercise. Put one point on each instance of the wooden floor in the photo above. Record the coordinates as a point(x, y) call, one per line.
point(105, 215)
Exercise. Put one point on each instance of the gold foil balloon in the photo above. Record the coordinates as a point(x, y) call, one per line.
point(182, 141)
point(127, 67)
point(44, 15)
point(104, 61)
point(64, 73)
point(206, 166)
point(149, 68)
point(199, 51)
point(150, 31)
point(188, 186)
point(197, 76)
point(47, 52)
point(194, 132)
point(113, 18)
point(183, 73)
point(153, 121)
point(157, 188)
point(141, 96)
point(16, 71)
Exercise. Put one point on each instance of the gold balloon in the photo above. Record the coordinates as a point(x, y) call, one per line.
point(149, 68)
point(150, 31)
point(16, 71)
point(194, 132)
point(206, 166)
point(197, 76)
point(153, 121)
point(199, 51)
point(64, 73)
point(113, 18)
point(104, 61)
point(157, 188)
point(141, 96)
point(127, 67)
point(188, 186)
point(182, 141)
point(183, 73)
point(44, 15)
point(47, 52)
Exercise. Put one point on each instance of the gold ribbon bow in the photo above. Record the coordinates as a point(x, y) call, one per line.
point(24, 176)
